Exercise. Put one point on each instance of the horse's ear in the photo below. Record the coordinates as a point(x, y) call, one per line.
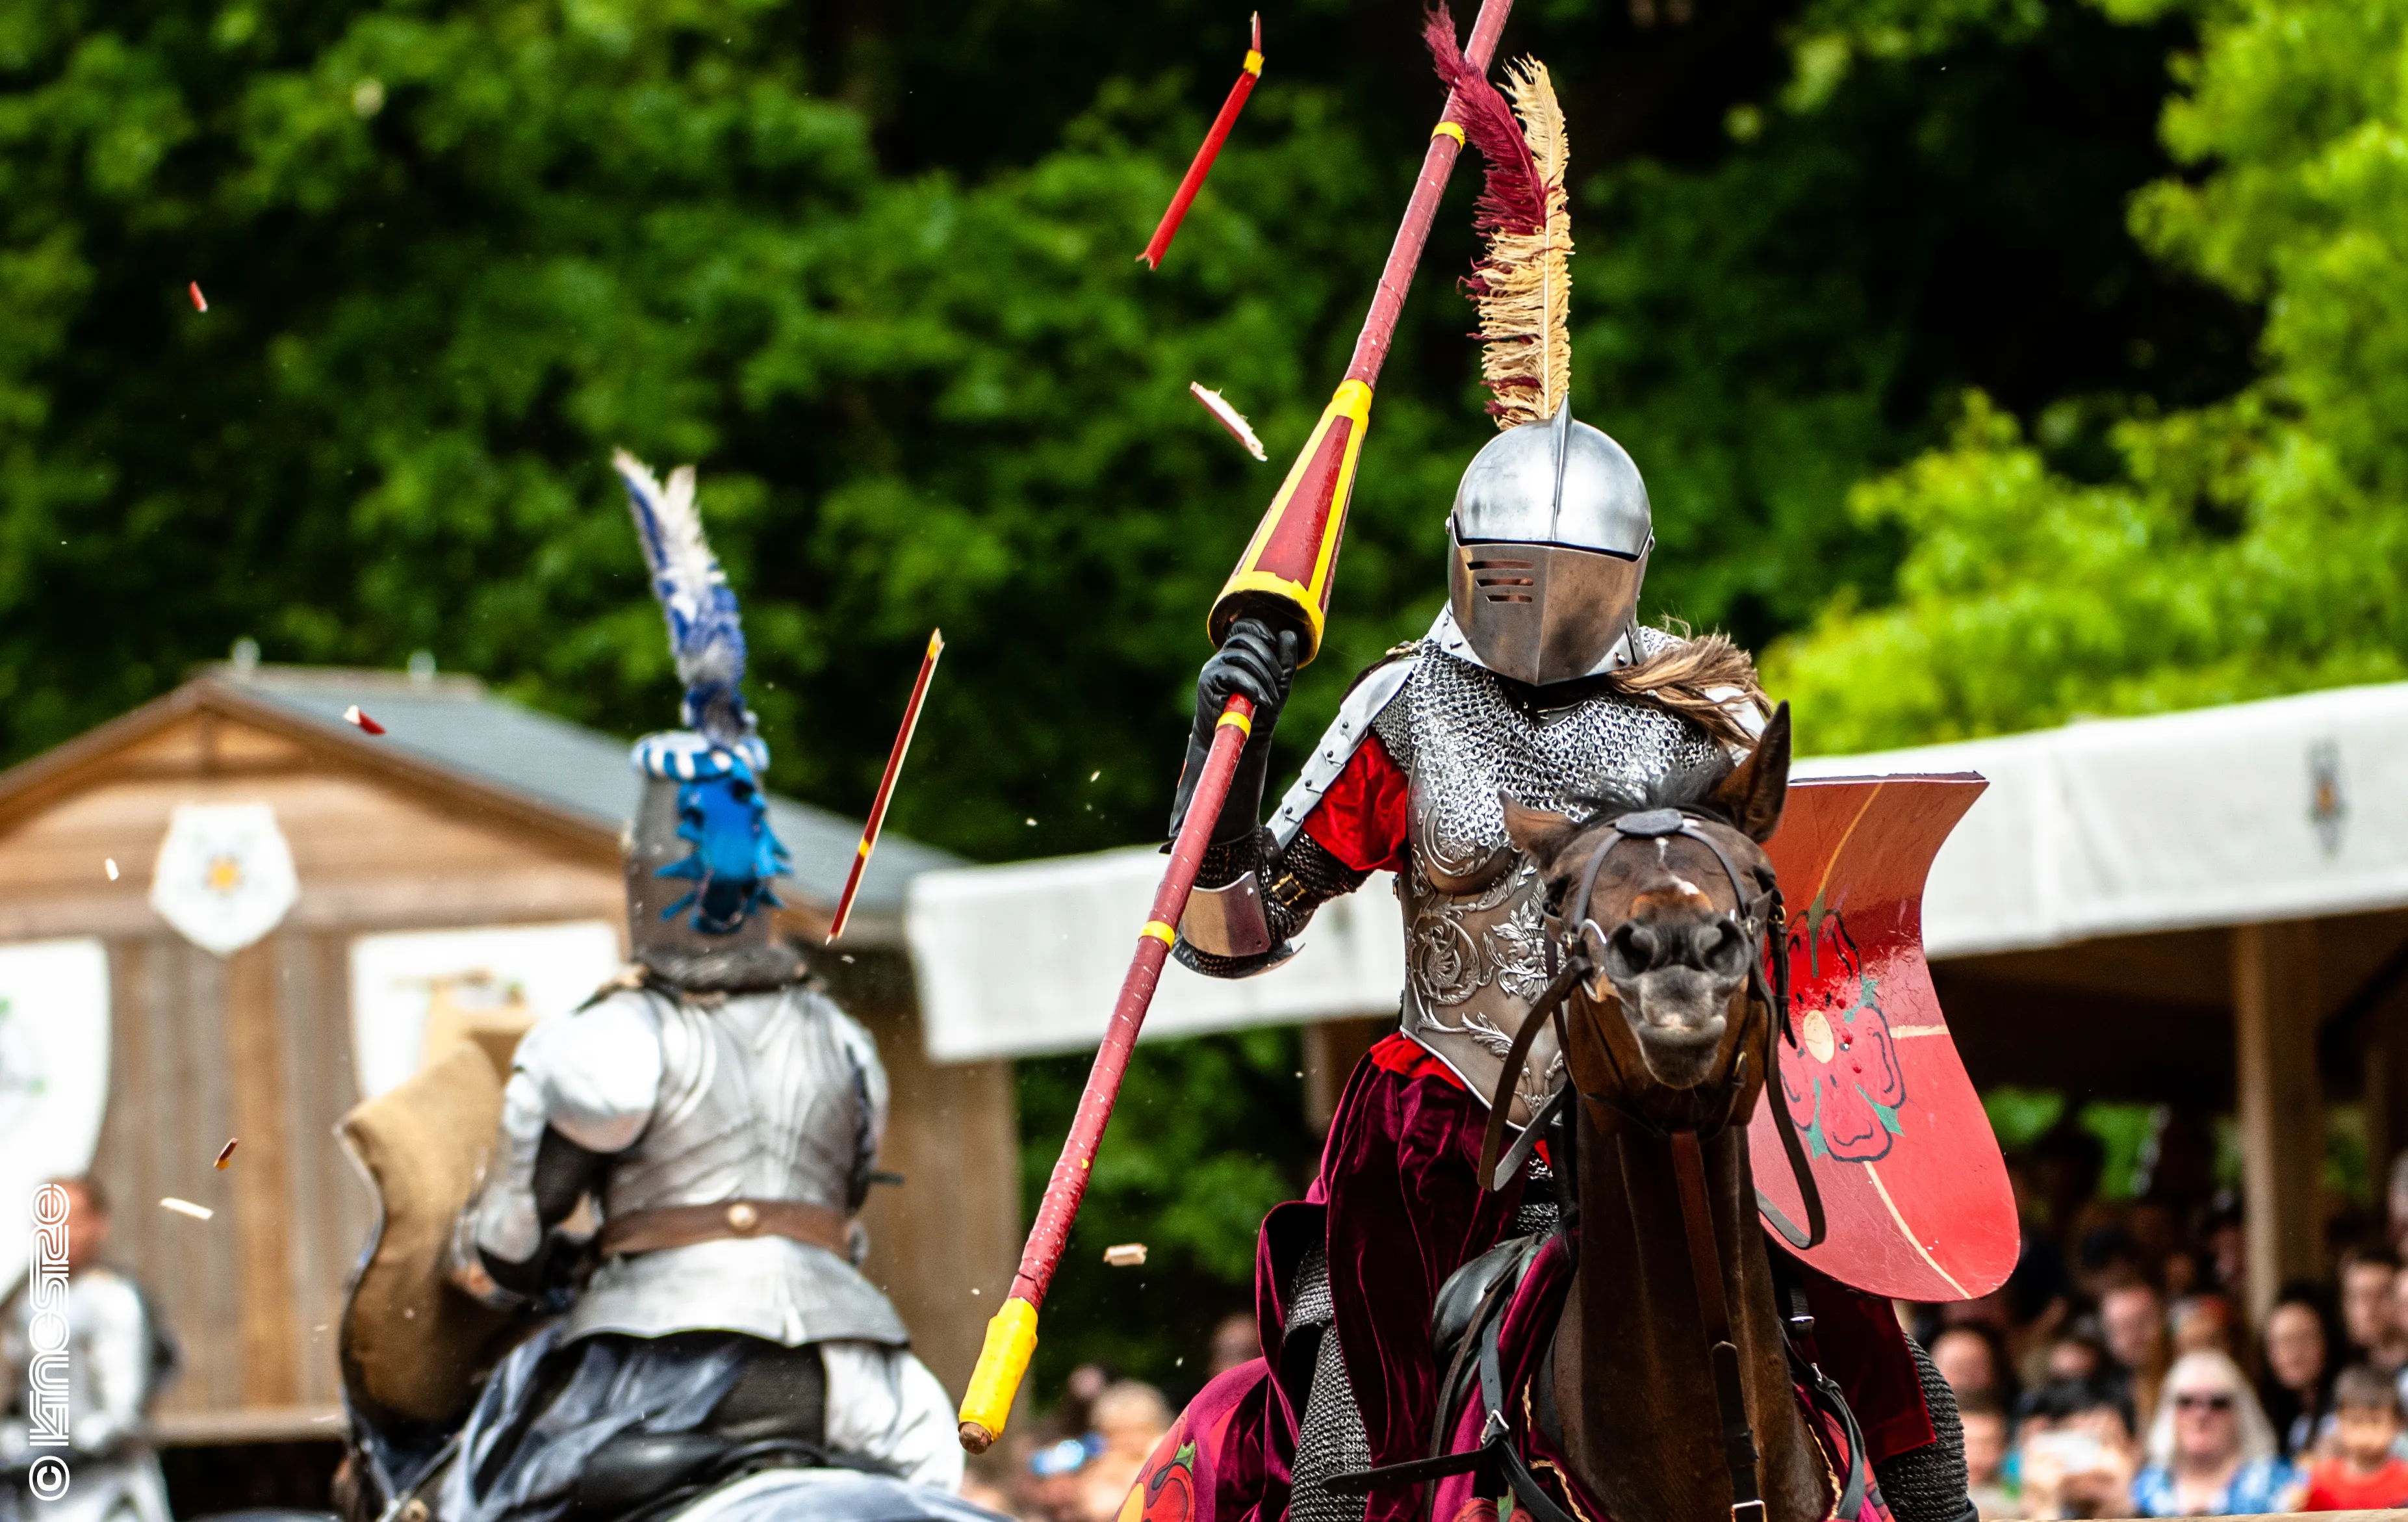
point(1541, 833)
point(1757, 788)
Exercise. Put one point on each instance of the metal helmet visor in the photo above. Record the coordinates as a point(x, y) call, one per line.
point(1542, 613)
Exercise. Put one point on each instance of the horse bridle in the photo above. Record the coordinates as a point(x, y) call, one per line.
point(1757, 920)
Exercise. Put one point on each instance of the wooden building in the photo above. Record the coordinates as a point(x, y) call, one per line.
point(474, 841)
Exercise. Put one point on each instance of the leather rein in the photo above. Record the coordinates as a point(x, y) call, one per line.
point(1759, 919)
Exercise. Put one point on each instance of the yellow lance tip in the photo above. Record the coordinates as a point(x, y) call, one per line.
point(1011, 1340)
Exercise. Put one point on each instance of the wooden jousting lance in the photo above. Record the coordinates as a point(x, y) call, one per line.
point(1285, 575)
point(877, 820)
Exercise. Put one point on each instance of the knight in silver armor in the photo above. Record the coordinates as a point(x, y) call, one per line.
point(721, 1116)
point(1535, 681)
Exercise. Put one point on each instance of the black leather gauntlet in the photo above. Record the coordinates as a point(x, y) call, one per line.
point(1258, 662)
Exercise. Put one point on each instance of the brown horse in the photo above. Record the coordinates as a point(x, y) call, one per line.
point(1670, 1031)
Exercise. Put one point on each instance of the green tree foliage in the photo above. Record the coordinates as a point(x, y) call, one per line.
point(2254, 546)
point(456, 254)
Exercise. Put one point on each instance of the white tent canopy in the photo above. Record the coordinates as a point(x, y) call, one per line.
point(2287, 809)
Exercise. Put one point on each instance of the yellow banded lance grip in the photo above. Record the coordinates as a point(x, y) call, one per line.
point(1243, 724)
point(1011, 1340)
point(1254, 63)
point(1448, 129)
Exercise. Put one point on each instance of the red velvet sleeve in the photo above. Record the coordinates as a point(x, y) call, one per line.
point(1363, 819)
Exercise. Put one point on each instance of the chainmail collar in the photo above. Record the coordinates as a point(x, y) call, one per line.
point(733, 970)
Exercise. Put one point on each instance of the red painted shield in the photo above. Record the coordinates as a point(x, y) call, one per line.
point(1910, 1175)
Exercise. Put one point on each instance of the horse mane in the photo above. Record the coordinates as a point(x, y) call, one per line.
point(1706, 679)
point(1690, 787)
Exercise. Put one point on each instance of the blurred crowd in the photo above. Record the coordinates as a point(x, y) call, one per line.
point(2118, 1373)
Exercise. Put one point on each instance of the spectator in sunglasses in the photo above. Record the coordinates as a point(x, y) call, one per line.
point(2212, 1451)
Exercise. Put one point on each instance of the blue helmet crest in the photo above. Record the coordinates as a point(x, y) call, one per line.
point(727, 821)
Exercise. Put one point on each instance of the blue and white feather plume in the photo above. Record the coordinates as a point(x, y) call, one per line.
point(717, 758)
point(706, 632)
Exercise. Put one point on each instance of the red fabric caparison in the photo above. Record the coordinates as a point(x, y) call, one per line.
point(1398, 1204)
point(1400, 1176)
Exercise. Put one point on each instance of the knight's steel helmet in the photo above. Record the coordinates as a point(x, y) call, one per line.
point(1546, 547)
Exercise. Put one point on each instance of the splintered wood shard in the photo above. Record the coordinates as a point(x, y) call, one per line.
point(1227, 417)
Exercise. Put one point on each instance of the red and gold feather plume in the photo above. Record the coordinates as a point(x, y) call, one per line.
point(1522, 284)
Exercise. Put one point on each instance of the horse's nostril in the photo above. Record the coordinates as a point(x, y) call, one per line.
point(1725, 950)
point(1634, 950)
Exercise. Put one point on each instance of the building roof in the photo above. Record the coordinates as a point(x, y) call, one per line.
point(564, 773)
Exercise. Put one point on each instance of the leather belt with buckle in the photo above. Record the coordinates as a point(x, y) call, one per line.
point(684, 1226)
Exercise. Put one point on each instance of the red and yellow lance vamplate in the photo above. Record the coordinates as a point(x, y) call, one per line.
point(1286, 574)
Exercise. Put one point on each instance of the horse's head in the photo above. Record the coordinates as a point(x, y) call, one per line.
point(1665, 896)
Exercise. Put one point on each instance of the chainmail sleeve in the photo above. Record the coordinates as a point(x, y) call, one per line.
point(1928, 1484)
point(1297, 879)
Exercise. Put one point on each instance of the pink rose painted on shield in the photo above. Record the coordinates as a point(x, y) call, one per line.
point(1841, 1080)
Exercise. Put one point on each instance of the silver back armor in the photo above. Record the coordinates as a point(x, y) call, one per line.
point(1546, 548)
point(698, 1101)
point(1475, 954)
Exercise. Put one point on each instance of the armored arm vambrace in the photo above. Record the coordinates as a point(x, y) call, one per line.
point(582, 1086)
point(1291, 882)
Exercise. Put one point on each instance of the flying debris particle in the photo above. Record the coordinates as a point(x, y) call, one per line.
point(1031, 823)
point(110, 862)
point(225, 1153)
point(353, 715)
point(1227, 417)
point(1092, 775)
point(1127, 1254)
point(185, 1207)
point(200, 302)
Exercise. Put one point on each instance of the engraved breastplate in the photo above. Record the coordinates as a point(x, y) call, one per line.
point(1475, 954)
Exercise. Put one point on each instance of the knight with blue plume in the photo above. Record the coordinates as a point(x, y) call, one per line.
point(722, 1115)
